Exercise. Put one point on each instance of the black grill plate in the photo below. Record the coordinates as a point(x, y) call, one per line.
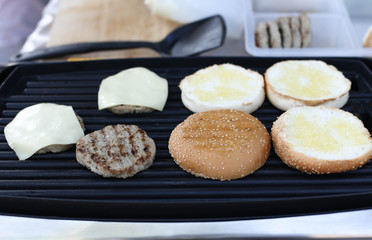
point(56, 186)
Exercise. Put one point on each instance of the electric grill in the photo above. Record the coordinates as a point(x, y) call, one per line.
point(56, 186)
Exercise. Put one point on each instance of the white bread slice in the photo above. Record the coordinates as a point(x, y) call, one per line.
point(321, 140)
point(224, 86)
point(296, 83)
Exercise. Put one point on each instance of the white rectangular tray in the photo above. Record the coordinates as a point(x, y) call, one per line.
point(332, 31)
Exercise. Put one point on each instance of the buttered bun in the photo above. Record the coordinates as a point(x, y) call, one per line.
point(224, 86)
point(321, 140)
point(221, 144)
point(306, 83)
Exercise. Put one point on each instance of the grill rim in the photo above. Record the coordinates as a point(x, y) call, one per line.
point(56, 209)
point(14, 207)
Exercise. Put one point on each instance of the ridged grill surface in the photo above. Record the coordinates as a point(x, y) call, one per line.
point(55, 185)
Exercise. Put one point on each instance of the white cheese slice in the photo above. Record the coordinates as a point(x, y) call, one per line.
point(135, 86)
point(41, 125)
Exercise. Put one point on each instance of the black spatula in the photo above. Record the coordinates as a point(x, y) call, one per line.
point(187, 40)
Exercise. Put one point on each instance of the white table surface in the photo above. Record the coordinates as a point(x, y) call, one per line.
point(335, 225)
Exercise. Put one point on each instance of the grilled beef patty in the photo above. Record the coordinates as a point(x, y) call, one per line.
point(118, 151)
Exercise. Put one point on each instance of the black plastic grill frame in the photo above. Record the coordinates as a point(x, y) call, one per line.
point(55, 185)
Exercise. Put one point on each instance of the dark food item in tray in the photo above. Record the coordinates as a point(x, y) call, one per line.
point(275, 37)
point(306, 33)
point(286, 32)
point(294, 23)
point(118, 151)
point(285, 29)
point(221, 144)
point(262, 36)
point(321, 140)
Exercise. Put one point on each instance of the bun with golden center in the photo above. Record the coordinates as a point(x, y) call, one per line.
point(224, 86)
point(297, 83)
point(321, 140)
point(222, 144)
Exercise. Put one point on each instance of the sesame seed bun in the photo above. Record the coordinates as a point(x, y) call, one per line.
point(297, 83)
point(321, 140)
point(221, 144)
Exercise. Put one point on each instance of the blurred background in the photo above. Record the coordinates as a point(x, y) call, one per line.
point(34, 24)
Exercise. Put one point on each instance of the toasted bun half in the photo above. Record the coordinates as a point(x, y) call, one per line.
point(297, 83)
point(221, 144)
point(224, 86)
point(321, 140)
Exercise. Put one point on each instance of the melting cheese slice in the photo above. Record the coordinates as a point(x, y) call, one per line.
point(41, 125)
point(136, 86)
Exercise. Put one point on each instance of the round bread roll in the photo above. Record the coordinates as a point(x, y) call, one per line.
point(221, 144)
point(295, 25)
point(224, 86)
point(321, 140)
point(297, 83)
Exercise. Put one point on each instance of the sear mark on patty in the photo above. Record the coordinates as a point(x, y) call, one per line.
point(118, 151)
